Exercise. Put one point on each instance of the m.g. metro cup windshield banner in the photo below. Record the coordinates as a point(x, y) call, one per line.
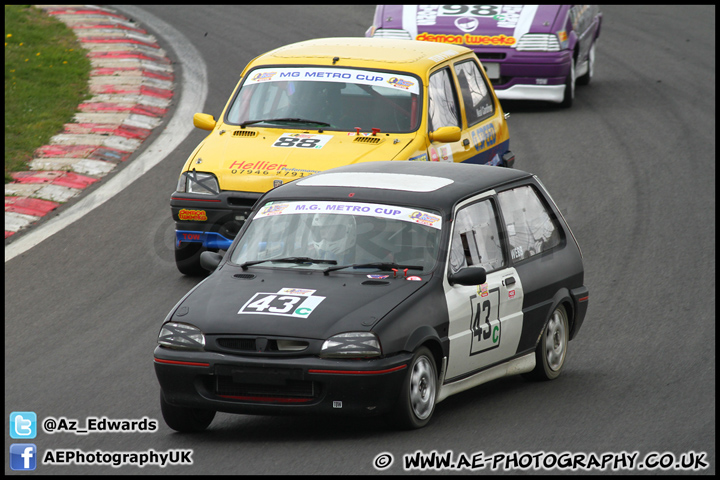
point(407, 83)
point(404, 214)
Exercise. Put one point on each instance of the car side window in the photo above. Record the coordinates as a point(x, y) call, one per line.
point(474, 92)
point(442, 101)
point(530, 227)
point(476, 239)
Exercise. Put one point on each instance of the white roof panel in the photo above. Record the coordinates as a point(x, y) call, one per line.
point(384, 181)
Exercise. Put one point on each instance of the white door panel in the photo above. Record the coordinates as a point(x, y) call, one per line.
point(485, 320)
point(485, 323)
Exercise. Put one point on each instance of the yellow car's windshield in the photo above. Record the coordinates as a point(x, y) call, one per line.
point(330, 98)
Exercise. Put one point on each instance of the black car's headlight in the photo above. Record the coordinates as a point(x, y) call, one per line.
point(198, 182)
point(181, 335)
point(351, 345)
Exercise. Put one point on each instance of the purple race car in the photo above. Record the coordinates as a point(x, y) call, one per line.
point(530, 52)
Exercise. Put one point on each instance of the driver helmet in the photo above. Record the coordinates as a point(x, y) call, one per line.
point(333, 234)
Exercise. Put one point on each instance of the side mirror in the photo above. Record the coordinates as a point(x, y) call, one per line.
point(445, 135)
point(465, 276)
point(204, 121)
point(210, 260)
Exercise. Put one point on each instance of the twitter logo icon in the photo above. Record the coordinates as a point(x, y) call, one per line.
point(23, 425)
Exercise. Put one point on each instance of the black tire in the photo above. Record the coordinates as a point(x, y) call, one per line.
point(551, 350)
point(416, 404)
point(183, 419)
point(187, 258)
point(569, 87)
point(587, 78)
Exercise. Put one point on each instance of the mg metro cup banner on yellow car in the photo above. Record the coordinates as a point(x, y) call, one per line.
point(362, 77)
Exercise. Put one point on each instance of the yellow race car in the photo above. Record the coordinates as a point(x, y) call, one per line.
point(318, 104)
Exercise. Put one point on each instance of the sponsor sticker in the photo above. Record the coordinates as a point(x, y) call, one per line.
point(466, 24)
point(424, 218)
point(400, 83)
point(296, 291)
point(273, 209)
point(414, 278)
point(378, 277)
point(445, 152)
point(260, 165)
point(468, 39)
point(192, 215)
point(263, 76)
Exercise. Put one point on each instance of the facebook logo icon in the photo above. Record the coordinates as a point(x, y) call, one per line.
point(23, 425)
point(23, 456)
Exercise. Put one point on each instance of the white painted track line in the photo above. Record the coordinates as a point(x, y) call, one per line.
point(193, 93)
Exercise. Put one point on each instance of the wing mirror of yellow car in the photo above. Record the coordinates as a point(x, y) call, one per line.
point(204, 121)
point(445, 135)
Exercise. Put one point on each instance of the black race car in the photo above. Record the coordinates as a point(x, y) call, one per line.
point(376, 288)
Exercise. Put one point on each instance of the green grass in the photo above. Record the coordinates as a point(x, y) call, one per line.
point(46, 77)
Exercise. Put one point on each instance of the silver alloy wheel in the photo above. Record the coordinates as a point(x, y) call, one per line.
point(422, 387)
point(556, 340)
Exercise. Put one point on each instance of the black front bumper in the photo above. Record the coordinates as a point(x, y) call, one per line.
point(272, 386)
point(220, 215)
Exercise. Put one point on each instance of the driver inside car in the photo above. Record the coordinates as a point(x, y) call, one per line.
point(333, 237)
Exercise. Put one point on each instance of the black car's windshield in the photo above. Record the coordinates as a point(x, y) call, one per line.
point(333, 98)
point(346, 234)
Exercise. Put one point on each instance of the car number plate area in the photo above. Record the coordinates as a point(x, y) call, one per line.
point(492, 70)
point(260, 375)
point(262, 382)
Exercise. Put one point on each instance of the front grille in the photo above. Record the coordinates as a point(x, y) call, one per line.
point(239, 344)
point(262, 345)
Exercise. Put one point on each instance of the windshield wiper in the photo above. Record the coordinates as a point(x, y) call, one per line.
point(285, 120)
point(384, 266)
point(288, 260)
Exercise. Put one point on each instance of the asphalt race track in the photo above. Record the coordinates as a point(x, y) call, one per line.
point(631, 164)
